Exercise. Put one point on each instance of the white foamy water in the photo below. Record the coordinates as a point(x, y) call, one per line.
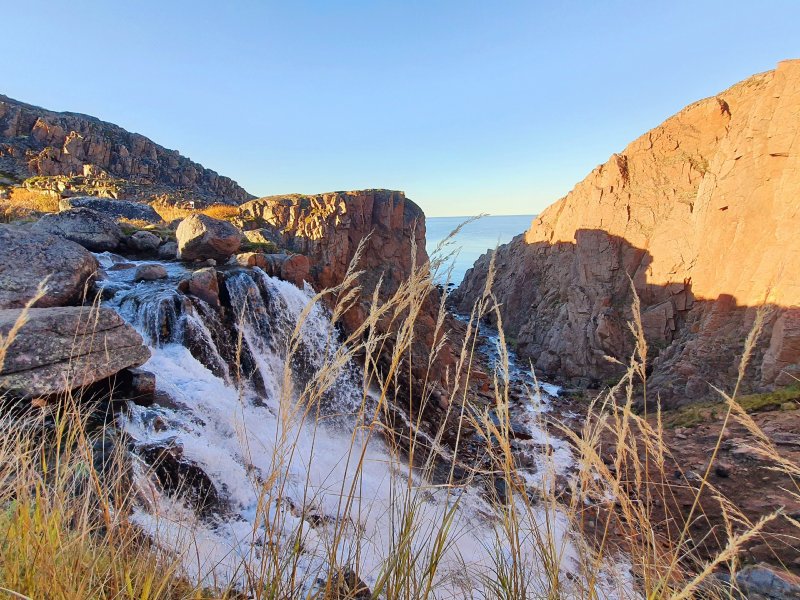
point(312, 489)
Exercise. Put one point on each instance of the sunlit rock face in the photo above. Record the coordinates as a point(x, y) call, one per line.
point(702, 214)
point(327, 228)
point(70, 150)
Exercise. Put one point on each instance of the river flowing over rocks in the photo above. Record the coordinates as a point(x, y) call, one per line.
point(232, 446)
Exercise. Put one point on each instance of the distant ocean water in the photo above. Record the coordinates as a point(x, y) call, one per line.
point(476, 238)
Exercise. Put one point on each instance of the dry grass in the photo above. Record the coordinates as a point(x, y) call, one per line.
point(217, 211)
point(24, 204)
point(34, 199)
point(64, 531)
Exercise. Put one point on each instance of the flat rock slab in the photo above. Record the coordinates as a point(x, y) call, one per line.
point(28, 258)
point(116, 209)
point(63, 348)
point(91, 229)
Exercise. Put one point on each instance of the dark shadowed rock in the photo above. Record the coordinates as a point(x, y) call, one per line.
point(168, 251)
point(28, 258)
point(64, 348)
point(144, 242)
point(201, 237)
point(115, 209)
point(92, 230)
point(182, 477)
point(761, 582)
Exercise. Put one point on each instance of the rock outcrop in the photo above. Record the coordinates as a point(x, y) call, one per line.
point(327, 228)
point(116, 209)
point(28, 258)
point(92, 230)
point(39, 142)
point(201, 237)
point(64, 348)
point(702, 214)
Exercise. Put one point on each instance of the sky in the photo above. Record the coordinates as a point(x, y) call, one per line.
point(469, 107)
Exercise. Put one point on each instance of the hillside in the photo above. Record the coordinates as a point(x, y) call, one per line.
point(66, 152)
point(701, 213)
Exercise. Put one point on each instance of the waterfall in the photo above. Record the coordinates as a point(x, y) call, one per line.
point(261, 475)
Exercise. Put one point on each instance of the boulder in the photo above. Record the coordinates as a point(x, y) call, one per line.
point(203, 284)
point(296, 269)
point(114, 209)
point(29, 257)
point(201, 237)
point(144, 242)
point(92, 230)
point(251, 259)
point(64, 348)
point(150, 272)
point(168, 251)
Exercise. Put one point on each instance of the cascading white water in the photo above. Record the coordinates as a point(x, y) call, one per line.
point(250, 444)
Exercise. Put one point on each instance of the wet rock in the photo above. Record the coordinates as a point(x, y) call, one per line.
point(123, 266)
point(65, 348)
point(92, 230)
point(201, 237)
point(136, 384)
point(181, 477)
point(144, 242)
point(28, 258)
point(150, 272)
point(115, 209)
point(204, 284)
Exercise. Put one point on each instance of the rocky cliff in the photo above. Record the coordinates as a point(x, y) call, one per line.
point(73, 150)
point(327, 229)
point(702, 214)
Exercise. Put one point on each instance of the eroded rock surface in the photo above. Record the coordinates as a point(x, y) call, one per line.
point(28, 258)
point(702, 214)
point(63, 348)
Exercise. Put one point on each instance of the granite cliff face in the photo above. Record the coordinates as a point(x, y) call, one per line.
point(81, 150)
point(702, 214)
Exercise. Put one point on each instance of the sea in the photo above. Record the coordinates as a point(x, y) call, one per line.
point(475, 238)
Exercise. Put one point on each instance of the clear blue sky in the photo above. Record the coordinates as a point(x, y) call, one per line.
point(468, 107)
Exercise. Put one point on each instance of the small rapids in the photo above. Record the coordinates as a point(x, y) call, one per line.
point(269, 489)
